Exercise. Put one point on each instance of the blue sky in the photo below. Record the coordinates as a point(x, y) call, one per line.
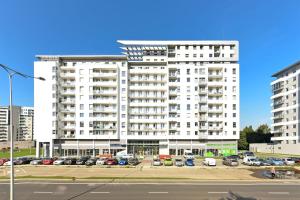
point(268, 32)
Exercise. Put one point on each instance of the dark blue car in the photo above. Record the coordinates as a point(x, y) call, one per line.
point(189, 162)
point(123, 162)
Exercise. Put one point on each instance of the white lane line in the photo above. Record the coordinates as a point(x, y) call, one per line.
point(42, 192)
point(99, 192)
point(217, 192)
point(283, 193)
point(158, 192)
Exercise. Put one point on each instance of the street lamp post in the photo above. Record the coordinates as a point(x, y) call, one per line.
point(11, 73)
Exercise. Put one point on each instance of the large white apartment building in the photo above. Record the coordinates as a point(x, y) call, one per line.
point(161, 97)
point(22, 123)
point(285, 110)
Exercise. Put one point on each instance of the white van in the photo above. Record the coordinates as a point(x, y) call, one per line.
point(188, 154)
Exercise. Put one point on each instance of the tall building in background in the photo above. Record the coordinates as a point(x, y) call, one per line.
point(161, 97)
point(22, 123)
point(285, 110)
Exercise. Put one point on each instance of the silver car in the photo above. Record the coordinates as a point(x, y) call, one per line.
point(59, 162)
point(156, 162)
point(36, 162)
point(179, 162)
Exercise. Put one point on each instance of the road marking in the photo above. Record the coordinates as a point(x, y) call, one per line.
point(42, 192)
point(158, 192)
point(217, 192)
point(283, 193)
point(100, 192)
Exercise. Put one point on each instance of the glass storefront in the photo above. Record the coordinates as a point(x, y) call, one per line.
point(143, 147)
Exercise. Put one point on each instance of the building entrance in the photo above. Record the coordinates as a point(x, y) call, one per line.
point(143, 147)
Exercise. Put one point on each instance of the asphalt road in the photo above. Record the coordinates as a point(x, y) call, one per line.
point(158, 191)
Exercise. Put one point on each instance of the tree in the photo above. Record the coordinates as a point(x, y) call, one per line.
point(243, 143)
point(248, 135)
point(264, 128)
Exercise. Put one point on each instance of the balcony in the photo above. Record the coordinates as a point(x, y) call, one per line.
point(215, 75)
point(276, 131)
point(68, 110)
point(68, 101)
point(278, 102)
point(203, 109)
point(105, 74)
point(280, 116)
point(215, 110)
point(105, 83)
point(202, 82)
point(215, 128)
point(203, 128)
point(203, 100)
point(277, 138)
point(173, 92)
point(202, 91)
point(113, 128)
point(105, 110)
point(203, 118)
point(69, 127)
point(68, 118)
point(215, 92)
point(67, 75)
point(68, 84)
point(105, 92)
point(68, 92)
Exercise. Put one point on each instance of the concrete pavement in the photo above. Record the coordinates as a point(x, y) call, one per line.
point(159, 191)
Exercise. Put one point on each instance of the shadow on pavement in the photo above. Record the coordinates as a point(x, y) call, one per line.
point(235, 196)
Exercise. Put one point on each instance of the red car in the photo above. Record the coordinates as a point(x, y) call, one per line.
point(3, 160)
point(47, 161)
point(111, 162)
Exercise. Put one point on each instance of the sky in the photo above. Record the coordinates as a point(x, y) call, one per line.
point(268, 32)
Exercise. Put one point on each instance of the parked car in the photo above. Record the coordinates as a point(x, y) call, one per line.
point(60, 161)
point(22, 161)
point(263, 162)
point(111, 161)
point(188, 155)
point(179, 162)
point(156, 162)
point(101, 161)
point(189, 162)
point(275, 161)
point(234, 157)
point(91, 161)
point(3, 160)
point(230, 162)
point(296, 159)
point(127, 156)
point(168, 162)
point(133, 161)
point(70, 161)
point(82, 160)
point(246, 154)
point(7, 163)
point(210, 162)
point(123, 161)
point(47, 161)
point(288, 161)
point(251, 161)
point(36, 162)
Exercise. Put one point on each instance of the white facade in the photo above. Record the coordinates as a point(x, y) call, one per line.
point(161, 97)
point(285, 109)
point(22, 123)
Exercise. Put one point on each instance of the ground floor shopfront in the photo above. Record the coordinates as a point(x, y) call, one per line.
point(77, 148)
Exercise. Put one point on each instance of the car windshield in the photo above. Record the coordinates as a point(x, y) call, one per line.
point(178, 160)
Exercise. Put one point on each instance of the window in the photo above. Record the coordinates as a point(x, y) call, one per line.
point(81, 132)
point(186, 55)
point(186, 47)
point(210, 55)
point(194, 55)
point(81, 114)
point(188, 71)
point(123, 81)
point(188, 79)
point(234, 71)
point(234, 124)
point(194, 47)
point(123, 107)
point(123, 115)
point(81, 72)
point(81, 106)
point(188, 107)
point(81, 124)
point(234, 114)
point(234, 106)
point(188, 125)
